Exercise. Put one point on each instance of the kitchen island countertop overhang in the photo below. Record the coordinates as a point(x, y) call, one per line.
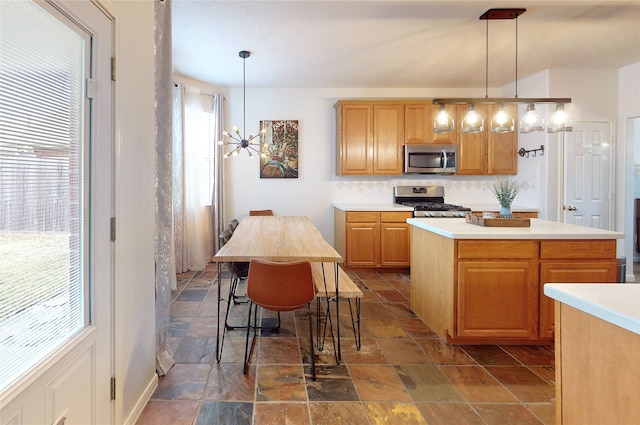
point(458, 228)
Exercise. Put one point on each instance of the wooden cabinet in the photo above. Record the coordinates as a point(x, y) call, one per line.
point(573, 262)
point(373, 239)
point(492, 275)
point(418, 124)
point(371, 135)
point(487, 153)
point(369, 138)
point(479, 291)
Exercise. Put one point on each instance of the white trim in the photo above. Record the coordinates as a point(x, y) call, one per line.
point(142, 401)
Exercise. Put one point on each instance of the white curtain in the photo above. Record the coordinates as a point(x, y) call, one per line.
point(218, 221)
point(196, 149)
point(197, 177)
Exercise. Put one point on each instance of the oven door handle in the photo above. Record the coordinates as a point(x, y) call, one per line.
point(444, 160)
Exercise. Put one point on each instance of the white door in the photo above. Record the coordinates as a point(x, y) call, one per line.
point(70, 382)
point(587, 175)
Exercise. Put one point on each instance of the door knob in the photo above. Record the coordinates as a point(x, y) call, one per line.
point(570, 207)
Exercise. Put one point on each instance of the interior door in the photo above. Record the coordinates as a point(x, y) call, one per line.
point(588, 197)
point(71, 385)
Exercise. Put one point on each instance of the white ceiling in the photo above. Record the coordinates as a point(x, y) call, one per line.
point(394, 44)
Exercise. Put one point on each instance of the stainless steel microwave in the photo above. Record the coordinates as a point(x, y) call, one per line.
point(430, 159)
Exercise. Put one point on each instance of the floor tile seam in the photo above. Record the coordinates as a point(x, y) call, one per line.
point(524, 366)
point(520, 401)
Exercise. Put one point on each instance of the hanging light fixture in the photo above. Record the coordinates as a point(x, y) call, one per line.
point(502, 122)
point(444, 122)
point(472, 122)
point(236, 139)
point(532, 121)
point(559, 121)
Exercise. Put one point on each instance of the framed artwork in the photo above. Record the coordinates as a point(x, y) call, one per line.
point(279, 150)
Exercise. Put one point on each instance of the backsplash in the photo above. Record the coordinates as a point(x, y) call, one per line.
point(457, 190)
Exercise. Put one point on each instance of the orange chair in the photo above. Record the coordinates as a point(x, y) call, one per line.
point(279, 287)
point(260, 212)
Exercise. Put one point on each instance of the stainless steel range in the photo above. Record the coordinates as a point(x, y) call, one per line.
point(427, 201)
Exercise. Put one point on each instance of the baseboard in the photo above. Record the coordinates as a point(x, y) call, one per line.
point(142, 401)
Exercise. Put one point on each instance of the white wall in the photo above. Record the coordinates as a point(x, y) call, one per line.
point(134, 292)
point(595, 97)
point(318, 188)
point(629, 148)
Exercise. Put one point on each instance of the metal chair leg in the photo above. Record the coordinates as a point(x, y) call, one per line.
point(313, 360)
point(247, 351)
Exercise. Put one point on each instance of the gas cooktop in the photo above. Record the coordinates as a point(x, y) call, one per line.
point(427, 201)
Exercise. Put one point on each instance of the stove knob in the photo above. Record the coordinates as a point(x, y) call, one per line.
point(432, 214)
point(444, 214)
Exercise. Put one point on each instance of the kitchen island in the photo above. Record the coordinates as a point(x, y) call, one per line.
point(596, 348)
point(484, 285)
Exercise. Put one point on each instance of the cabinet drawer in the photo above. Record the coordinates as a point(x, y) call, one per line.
point(363, 217)
point(395, 217)
point(492, 249)
point(578, 249)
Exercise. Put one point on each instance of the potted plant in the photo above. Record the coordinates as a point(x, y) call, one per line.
point(505, 189)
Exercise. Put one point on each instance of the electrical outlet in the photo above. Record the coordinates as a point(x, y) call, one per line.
point(360, 188)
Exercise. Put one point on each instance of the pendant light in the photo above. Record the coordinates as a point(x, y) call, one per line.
point(444, 122)
point(532, 121)
point(559, 121)
point(236, 139)
point(502, 122)
point(472, 122)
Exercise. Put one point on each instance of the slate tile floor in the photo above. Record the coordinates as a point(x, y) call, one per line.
point(403, 374)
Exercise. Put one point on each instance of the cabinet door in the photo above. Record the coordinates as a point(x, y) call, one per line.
point(502, 148)
point(497, 299)
point(355, 139)
point(363, 244)
point(388, 133)
point(394, 244)
point(444, 138)
point(417, 124)
point(593, 271)
point(472, 147)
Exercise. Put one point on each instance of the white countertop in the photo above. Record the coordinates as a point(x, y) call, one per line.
point(616, 303)
point(372, 207)
point(457, 228)
point(396, 207)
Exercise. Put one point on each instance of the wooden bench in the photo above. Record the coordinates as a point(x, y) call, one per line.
point(346, 287)
point(325, 281)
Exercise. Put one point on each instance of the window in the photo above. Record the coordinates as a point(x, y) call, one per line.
point(43, 184)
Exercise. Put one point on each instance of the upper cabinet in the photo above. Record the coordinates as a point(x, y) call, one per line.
point(487, 153)
point(418, 124)
point(369, 137)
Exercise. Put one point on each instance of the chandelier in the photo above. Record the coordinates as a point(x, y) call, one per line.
point(502, 122)
point(237, 140)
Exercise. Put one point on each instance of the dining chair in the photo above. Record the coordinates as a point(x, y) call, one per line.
point(260, 212)
point(279, 286)
point(239, 271)
point(233, 224)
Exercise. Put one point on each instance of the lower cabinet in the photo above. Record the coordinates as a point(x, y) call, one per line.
point(373, 238)
point(492, 276)
point(573, 262)
point(484, 291)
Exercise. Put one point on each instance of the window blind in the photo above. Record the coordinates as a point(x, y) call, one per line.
point(42, 186)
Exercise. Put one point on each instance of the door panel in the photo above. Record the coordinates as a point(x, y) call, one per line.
point(71, 386)
point(587, 199)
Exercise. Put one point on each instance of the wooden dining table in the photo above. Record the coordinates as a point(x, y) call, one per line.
point(276, 238)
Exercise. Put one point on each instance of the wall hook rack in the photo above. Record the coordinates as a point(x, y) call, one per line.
point(523, 152)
